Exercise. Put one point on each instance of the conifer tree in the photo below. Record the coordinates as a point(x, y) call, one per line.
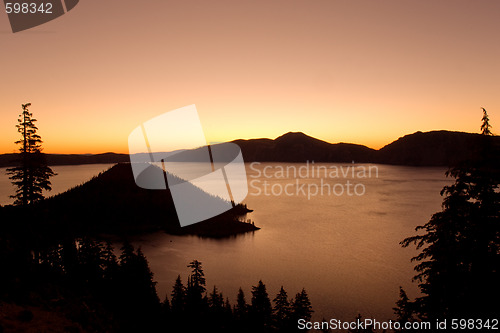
point(241, 309)
point(197, 277)
point(281, 310)
point(485, 125)
point(91, 260)
point(178, 295)
point(404, 310)
point(216, 300)
point(32, 175)
point(459, 263)
point(139, 303)
point(110, 262)
point(301, 306)
point(166, 310)
point(196, 287)
point(228, 309)
point(260, 309)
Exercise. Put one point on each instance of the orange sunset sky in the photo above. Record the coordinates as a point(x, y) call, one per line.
point(365, 72)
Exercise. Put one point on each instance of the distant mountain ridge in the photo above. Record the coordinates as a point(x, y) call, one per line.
point(434, 148)
point(299, 147)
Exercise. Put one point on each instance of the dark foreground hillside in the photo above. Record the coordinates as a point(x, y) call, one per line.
point(61, 273)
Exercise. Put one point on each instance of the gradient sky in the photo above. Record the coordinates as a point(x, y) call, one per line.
point(365, 72)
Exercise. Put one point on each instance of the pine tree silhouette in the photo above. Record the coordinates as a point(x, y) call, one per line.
point(301, 307)
point(485, 126)
point(281, 311)
point(459, 266)
point(178, 297)
point(196, 287)
point(260, 309)
point(31, 176)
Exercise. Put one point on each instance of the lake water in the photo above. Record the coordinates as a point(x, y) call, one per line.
point(68, 176)
point(341, 245)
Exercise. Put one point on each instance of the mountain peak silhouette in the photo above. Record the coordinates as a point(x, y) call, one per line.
point(297, 137)
point(294, 134)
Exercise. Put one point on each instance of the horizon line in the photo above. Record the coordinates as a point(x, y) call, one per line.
point(263, 138)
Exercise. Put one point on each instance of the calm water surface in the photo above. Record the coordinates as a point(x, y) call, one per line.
point(343, 249)
point(68, 176)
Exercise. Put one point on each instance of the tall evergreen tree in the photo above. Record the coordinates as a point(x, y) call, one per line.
point(301, 306)
point(110, 262)
point(197, 276)
point(260, 309)
point(216, 300)
point(166, 312)
point(404, 310)
point(127, 254)
point(241, 309)
point(166, 306)
point(485, 125)
point(216, 314)
point(459, 263)
point(145, 279)
point(196, 287)
point(139, 304)
point(281, 310)
point(91, 260)
point(228, 310)
point(178, 295)
point(32, 175)
point(69, 257)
